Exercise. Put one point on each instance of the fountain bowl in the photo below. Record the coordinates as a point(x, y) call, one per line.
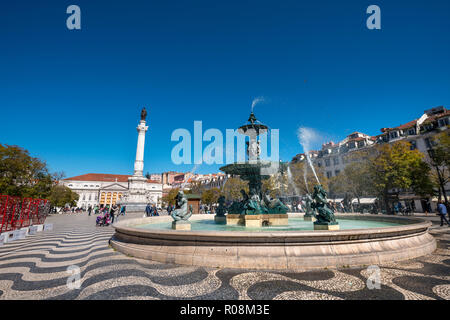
point(277, 250)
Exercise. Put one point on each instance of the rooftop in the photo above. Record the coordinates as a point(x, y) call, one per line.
point(104, 177)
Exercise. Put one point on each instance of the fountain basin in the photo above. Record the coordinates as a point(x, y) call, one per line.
point(404, 238)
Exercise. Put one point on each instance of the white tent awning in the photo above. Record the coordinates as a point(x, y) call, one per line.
point(364, 200)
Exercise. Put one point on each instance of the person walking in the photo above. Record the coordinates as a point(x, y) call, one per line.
point(123, 209)
point(155, 211)
point(118, 212)
point(112, 213)
point(89, 210)
point(442, 211)
point(148, 210)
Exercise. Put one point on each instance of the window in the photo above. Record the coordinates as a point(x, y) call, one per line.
point(336, 172)
point(327, 162)
point(444, 122)
point(329, 174)
point(394, 134)
point(412, 131)
point(319, 164)
point(336, 161)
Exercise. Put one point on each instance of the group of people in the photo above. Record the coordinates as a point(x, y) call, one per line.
point(151, 210)
point(112, 213)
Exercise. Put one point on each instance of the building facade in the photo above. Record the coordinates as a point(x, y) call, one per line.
point(420, 133)
point(108, 189)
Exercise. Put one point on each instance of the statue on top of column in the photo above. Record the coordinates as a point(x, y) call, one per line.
point(143, 114)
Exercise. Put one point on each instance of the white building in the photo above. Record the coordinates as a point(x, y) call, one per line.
point(332, 158)
point(108, 189)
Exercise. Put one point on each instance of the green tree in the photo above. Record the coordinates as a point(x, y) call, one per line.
point(23, 175)
point(210, 196)
point(397, 166)
point(61, 195)
point(271, 185)
point(169, 199)
point(355, 179)
point(232, 188)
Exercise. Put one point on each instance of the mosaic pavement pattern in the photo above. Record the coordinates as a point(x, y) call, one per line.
point(36, 268)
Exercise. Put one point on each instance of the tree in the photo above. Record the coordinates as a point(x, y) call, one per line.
point(355, 179)
point(232, 188)
point(271, 185)
point(440, 161)
point(169, 199)
point(61, 195)
point(396, 166)
point(304, 181)
point(210, 196)
point(196, 187)
point(22, 175)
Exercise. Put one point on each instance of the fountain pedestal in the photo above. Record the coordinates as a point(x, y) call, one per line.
point(181, 225)
point(309, 218)
point(257, 220)
point(326, 226)
point(220, 219)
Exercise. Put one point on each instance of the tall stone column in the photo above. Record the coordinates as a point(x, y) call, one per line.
point(137, 191)
point(139, 162)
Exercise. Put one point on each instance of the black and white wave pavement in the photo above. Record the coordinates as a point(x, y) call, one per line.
point(37, 268)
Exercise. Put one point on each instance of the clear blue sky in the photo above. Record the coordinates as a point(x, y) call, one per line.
point(73, 98)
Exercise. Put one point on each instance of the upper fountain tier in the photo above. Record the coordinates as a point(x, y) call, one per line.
point(253, 127)
point(254, 168)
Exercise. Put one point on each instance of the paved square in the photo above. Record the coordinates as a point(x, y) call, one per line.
point(36, 268)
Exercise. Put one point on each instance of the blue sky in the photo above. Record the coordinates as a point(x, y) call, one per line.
point(73, 98)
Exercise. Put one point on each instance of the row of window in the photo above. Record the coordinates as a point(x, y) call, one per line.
point(86, 186)
point(330, 173)
point(328, 161)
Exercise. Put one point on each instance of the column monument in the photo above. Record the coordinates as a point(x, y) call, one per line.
point(137, 198)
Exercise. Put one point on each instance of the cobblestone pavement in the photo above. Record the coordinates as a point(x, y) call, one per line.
point(36, 268)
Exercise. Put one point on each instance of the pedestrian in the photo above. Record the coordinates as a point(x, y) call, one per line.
point(113, 212)
point(118, 212)
point(123, 210)
point(155, 211)
point(148, 210)
point(442, 211)
point(89, 210)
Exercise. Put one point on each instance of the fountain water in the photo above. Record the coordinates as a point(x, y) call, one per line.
point(291, 180)
point(305, 137)
point(256, 101)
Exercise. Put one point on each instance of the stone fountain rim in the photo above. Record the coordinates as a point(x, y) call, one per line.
point(411, 226)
